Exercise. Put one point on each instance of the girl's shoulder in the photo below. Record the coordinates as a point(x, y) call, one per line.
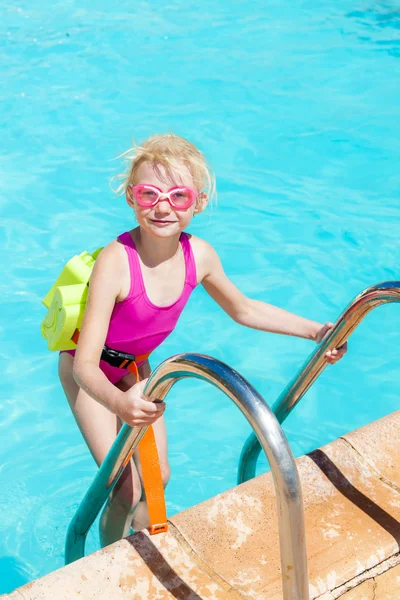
point(204, 256)
point(112, 251)
point(199, 246)
point(112, 258)
point(111, 271)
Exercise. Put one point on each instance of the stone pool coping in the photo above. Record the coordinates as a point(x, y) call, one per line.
point(227, 547)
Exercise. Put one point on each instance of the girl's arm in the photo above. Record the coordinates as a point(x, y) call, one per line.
point(104, 291)
point(256, 314)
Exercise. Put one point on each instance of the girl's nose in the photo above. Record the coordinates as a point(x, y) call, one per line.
point(163, 203)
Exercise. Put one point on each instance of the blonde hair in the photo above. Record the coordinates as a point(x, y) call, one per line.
point(170, 151)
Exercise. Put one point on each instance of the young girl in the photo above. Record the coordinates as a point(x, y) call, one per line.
point(139, 286)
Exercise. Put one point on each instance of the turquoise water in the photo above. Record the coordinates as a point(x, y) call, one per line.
point(296, 107)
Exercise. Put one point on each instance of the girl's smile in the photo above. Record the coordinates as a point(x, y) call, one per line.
point(161, 222)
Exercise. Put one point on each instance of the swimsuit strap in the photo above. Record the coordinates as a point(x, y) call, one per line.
point(191, 275)
point(137, 284)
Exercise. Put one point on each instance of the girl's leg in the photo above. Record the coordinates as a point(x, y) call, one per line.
point(99, 428)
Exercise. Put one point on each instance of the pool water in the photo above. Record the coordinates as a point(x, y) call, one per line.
point(297, 108)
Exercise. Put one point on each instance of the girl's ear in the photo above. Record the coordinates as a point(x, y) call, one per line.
point(129, 197)
point(201, 203)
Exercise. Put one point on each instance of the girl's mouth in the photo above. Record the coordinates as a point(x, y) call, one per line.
point(161, 221)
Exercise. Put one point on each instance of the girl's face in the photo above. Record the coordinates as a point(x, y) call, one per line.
point(163, 220)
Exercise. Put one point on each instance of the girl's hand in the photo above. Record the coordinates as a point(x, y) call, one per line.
point(133, 408)
point(331, 356)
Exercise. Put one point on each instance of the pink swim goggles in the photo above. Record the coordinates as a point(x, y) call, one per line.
point(179, 198)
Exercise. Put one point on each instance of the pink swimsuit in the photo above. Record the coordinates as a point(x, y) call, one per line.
point(137, 326)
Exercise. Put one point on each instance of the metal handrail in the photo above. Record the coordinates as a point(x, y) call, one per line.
point(362, 304)
point(267, 430)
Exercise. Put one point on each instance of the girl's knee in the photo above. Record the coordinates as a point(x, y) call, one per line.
point(165, 474)
point(127, 492)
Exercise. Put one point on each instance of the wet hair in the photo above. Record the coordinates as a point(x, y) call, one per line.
point(170, 151)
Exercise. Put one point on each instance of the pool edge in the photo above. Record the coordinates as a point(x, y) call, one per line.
point(227, 546)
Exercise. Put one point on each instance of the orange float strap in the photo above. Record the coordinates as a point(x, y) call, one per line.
point(149, 459)
point(151, 470)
